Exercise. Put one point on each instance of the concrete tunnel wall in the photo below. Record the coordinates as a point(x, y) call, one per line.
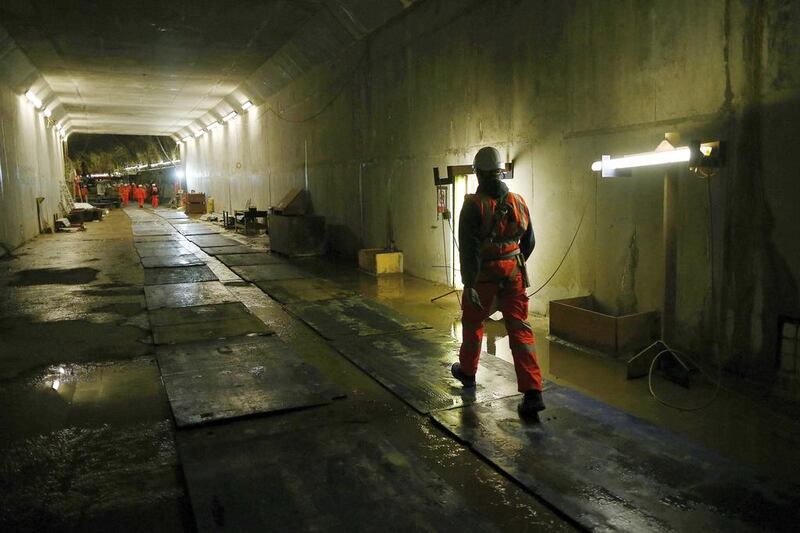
point(31, 166)
point(554, 85)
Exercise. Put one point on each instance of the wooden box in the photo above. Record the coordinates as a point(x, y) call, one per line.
point(580, 321)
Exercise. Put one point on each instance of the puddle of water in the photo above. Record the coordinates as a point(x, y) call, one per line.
point(54, 276)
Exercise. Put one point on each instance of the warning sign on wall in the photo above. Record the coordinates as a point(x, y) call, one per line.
point(441, 199)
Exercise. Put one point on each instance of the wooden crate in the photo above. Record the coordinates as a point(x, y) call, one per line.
point(580, 321)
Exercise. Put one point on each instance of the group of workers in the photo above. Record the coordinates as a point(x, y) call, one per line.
point(139, 193)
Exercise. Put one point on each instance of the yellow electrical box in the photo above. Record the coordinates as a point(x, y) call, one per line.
point(378, 261)
point(210, 205)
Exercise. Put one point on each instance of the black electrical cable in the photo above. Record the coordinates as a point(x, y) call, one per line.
point(575, 236)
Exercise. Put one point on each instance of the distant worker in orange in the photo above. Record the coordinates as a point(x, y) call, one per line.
point(138, 193)
point(85, 193)
point(154, 196)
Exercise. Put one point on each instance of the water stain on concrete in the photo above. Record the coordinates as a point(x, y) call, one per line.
point(54, 276)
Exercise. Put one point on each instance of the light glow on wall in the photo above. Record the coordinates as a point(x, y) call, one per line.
point(32, 99)
point(199, 134)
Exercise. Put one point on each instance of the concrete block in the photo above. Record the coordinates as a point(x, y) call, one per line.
point(378, 261)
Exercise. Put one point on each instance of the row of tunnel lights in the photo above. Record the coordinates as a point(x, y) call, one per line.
point(214, 125)
point(37, 103)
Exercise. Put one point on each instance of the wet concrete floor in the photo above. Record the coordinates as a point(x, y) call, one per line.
point(88, 440)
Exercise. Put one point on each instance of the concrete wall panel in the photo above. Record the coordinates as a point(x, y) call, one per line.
point(554, 85)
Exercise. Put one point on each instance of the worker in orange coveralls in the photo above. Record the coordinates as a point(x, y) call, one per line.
point(154, 195)
point(138, 194)
point(495, 239)
point(85, 193)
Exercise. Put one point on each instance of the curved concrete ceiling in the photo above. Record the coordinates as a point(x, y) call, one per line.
point(153, 68)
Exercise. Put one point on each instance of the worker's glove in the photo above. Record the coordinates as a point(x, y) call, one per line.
point(471, 295)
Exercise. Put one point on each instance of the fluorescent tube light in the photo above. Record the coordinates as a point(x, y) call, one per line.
point(186, 139)
point(199, 134)
point(47, 113)
point(213, 125)
point(32, 99)
point(247, 105)
point(230, 116)
point(647, 159)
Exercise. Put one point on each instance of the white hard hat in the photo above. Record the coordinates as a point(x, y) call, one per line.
point(487, 160)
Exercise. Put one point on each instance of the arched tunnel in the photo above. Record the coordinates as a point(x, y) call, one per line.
point(399, 265)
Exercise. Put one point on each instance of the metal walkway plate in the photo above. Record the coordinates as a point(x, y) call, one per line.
point(174, 215)
point(158, 238)
point(303, 290)
point(213, 381)
point(611, 471)
point(197, 229)
point(336, 319)
point(188, 274)
point(415, 365)
point(270, 272)
point(262, 258)
point(234, 249)
point(212, 240)
point(204, 322)
point(187, 294)
point(264, 475)
point(148, 249)
point(171, 260)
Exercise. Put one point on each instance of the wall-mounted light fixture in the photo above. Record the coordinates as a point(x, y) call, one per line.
point(47, 113)
point(32, 99)
point(199, 134)
point(247, 105)
point(230, 116)
point(214, 125)
point(186, 139)
point(697, 155)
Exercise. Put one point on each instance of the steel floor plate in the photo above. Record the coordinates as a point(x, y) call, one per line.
point(187, 274)
point(204, 322)
point(303, 290)
point(212, 381)
point(177, 237)
point(336, 319)
point(264, 475)
point(212, 240)
point(171, 260)
point(149, 249)
point(415, 365)
point(232, 260)
point(234, 249)
point(276, 271)
point(612, 471)
point(197, 229)
point(187, 294)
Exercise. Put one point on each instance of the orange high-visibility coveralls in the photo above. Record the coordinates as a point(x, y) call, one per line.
point(154, 197)
point(126, 193)
point(501, 277)
point(138, 193)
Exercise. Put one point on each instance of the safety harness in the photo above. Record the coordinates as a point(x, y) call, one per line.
point(501, 211)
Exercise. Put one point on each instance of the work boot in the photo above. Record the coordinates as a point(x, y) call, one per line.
point(466, 381)
point(530, 405)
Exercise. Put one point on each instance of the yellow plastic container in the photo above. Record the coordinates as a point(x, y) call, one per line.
point(210, 205)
